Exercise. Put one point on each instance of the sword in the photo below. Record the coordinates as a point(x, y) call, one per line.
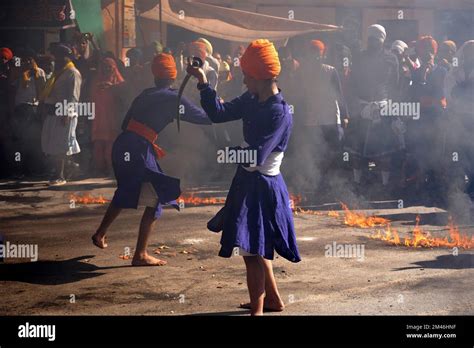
point(195, 62)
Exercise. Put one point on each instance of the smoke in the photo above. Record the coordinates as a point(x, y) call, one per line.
point(314, 166)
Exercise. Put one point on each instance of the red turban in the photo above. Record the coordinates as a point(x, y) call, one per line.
point(198, 49)
point(260, 60)
point(426, 43)
point(6, 53)
point(318, 45)
point(164, 67)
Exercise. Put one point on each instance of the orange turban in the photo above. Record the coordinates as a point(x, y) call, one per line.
point(318, 45)
point(260, 60)
point(426, 43)
point(198, 49)
point(6, 53)
point(164, 67)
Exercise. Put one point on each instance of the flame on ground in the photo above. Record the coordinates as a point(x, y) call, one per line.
point(331, 213)
point(418, 239)
point(361, 220)
point(87, 198)
point(424, 239)
point(193, 200)
point(351, 218)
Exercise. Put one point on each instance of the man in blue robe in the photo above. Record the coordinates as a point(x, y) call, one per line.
point(140, 180)
point(257, 218)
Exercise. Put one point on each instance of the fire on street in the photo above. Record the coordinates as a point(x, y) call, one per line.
point(71, 276)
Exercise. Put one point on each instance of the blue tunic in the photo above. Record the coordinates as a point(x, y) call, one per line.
point(258, 217)
point(133, 157)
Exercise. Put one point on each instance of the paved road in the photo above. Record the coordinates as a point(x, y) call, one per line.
point(73, 277)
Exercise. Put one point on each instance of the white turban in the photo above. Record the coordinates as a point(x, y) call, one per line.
point(209, 48)
point(377, 31)
point(399, 46)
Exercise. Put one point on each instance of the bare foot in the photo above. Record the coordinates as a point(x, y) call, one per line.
point(147, 260)
point(99, 241)
point(268, 305)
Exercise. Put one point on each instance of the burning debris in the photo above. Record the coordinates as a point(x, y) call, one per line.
point(87, 198)
point(388, 234)
point(361, 220)
point(187, 199)
point(191, 199)
point(333, 213)
point(424, 239)
point(419, 237)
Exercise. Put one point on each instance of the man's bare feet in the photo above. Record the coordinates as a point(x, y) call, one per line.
point(99, 241)
point(147, 260)
point(268, 305)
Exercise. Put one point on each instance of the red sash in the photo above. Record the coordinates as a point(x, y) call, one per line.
point(147, 133)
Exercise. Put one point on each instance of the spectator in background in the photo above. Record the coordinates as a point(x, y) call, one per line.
point(6, 151)
point(107, 120)
point(446, 53)
point(137, 75)
point(46, 62)
point(58, 138)
point(236, 84)
point(426, 137)
point(351, 35)
point(179, 58)
point(373, 82)
point(405, 66)
point(25, 121)
point(287, 79)
point(459, 92)
point(342, 63)
point(135, 59)
point(201, 49)
point(412, 56)
point(86, 59)
point(143, 79)
point(157, 48)
point(225, 77)
point(228, 59)
point(400, 50)
point(120, 65)
point(149, 53)
point(218, 58)
point(213, 62)
point(320, 111)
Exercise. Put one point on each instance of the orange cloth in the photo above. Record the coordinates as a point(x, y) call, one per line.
point(198, 49)
point(164, 67)
point(6, 53)
point(260, 60)
point(147, 133)
point(318, 45)
point(424, 44)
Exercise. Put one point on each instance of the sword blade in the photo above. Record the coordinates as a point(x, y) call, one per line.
point(180, 95)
